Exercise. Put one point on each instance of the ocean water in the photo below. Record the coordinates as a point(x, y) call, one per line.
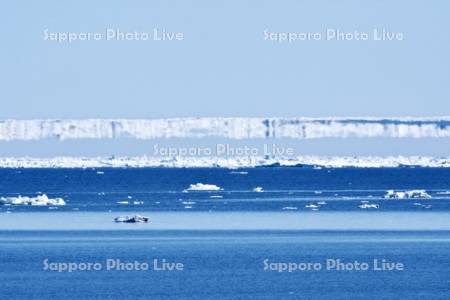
point(237, 244)
point(162, 189)
point(224, 265)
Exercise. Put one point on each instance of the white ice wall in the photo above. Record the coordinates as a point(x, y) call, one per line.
point(233, 128)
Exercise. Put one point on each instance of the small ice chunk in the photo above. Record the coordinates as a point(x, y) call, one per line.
point(443, 193)
point(368, 206)
point(311, 206)
point(128, 219)
point(203, 187)
point(239, 172)
point(188, 202)
point(289, 208)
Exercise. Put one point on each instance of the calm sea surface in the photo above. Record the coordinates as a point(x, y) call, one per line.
point(233, 243)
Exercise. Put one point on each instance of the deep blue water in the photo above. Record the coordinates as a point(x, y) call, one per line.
point(161, 189)
point(226, 263)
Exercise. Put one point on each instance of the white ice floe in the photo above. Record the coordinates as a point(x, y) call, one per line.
point(216, 196)
point(422, 205)
point(188, 202)
point(203, 187)
point(232, 128)
point(225, 162)
point(289, 208)
point(369, 206)
point(39, 200)
point(392, 194)
point(239, 172)
point(312, 205)
point(443, 193)
point(136, 202)
point(321, 203)
point(258, 189)
point(129, 219)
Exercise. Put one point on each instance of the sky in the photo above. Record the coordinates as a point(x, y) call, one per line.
point(223, 66)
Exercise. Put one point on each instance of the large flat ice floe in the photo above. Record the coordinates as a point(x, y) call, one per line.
point(229, 162)
point(392, 194)
point(233, 128)
point(40, 200)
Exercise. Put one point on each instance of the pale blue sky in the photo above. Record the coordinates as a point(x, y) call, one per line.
point(224, 67)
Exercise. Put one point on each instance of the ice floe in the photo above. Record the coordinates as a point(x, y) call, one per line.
point(312, 205)
point(203, 187)
point(239, 172)
point(136, 202)
point(427, 206)
point(258, 189)
point(123, 202)
point(392, 194)
point(443, 193)
point(368, 206)
point(40, 200)
point(289, 208)
point(129, 219)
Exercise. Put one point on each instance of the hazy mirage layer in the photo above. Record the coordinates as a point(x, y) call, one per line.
point(223, 162)
point(231, 128)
